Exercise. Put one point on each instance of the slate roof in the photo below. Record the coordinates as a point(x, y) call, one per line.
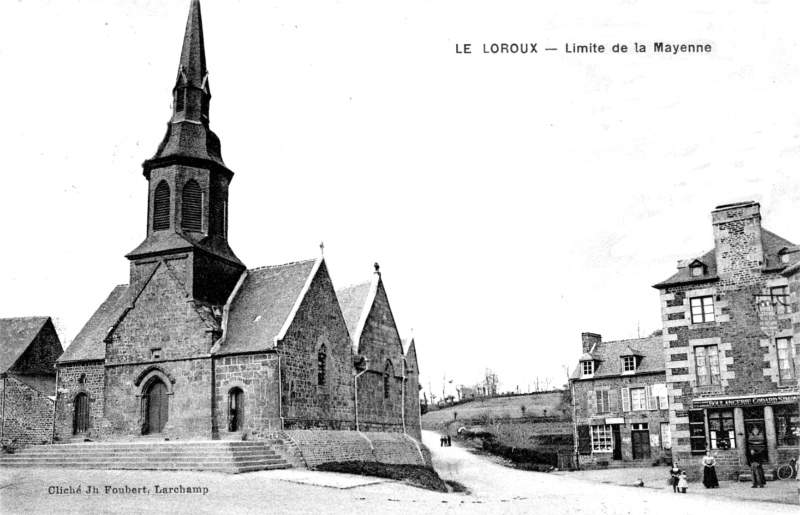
point(44, 384)
point(89, 344)
point(608, 356)
point(771, 242)
point(262, 304)
point(353, 300)
point(16, 334)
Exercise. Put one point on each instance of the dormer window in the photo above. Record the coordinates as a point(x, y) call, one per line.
point(629, 363)
point(697, 268)
point(587, 368)
point(784, 258)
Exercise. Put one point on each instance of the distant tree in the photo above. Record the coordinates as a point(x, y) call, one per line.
point(491, 381)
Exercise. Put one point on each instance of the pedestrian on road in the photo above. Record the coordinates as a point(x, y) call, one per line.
point(674, 476)
point(709, 471)
point(683, 483)
point(757, 471)
point(449, 441)
point(441, 441)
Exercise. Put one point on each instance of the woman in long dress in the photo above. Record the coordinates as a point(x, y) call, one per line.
point(709, 471)
point(674, 476)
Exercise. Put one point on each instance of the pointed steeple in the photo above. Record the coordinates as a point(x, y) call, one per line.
point(189, 139)
point(188, 184)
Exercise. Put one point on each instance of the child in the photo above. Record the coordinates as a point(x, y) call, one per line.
point(683, 483)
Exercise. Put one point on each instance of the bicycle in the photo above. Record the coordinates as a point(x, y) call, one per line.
point(788, 471)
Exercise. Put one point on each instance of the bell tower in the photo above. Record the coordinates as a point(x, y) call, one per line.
point(187, 207)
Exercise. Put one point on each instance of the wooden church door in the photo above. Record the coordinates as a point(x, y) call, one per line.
point(81, 422)
point(235, 410)
point(157, 407)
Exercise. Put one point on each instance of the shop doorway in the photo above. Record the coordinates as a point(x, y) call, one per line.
point(755, 435)
point(640, 441)
point(617, 454)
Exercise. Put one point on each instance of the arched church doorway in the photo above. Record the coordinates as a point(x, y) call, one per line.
point(80, 423)
point(235, 409)
point(157, 407)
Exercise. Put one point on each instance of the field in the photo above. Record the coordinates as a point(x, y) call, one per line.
point(535, 405)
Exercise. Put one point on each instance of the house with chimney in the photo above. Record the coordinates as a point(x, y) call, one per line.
point(731, 328)
point(620, 402)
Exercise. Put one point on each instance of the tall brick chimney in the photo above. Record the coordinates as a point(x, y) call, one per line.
point(590, 340)
point(737, 241)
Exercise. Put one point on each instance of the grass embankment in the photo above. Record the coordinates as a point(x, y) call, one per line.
point(522, 406)
point(415, 475)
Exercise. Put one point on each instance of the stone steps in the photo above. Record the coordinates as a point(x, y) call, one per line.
point(220, 456)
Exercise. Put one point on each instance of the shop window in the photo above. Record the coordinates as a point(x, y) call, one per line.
point(707, 365)
point(602, 440)
point(721, 430)
point(666, 436)
point(697, 431)
point(787, 424)
point(702, 309)
point(786, 370)
point(601, 399)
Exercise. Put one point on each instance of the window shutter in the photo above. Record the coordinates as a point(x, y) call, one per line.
point(652, 402)
point(613, 401)
point(161, 205)
point(591, 403)
point(192, 207)
point(626, 399)
point(584, 440)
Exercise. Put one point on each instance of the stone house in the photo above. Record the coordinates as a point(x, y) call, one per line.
point(29, 348)
point(620, 402)
point(730, 343)
point(197, 346)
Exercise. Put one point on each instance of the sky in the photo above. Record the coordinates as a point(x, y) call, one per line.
point(513, 201)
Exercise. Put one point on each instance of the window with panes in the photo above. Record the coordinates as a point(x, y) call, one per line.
point(721, 429)
point(628, 363)
point(787, 423)
point(587, 368)
point(638, 399)
point(702, 309)
point(780, 299)
point(602, 439)
point(706, 365)
point(697, 431)
point(601, 401)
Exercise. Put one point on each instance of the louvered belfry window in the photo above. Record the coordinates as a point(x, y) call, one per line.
point(192, 214)
point(217, 212)
point(161, 207)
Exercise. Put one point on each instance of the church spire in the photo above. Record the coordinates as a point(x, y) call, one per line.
point(189, 140)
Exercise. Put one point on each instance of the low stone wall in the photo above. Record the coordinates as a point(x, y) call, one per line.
point(28, 415)
point(319, 447)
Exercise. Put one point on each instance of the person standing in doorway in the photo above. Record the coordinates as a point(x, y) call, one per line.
point(759, 480)
point(709, 471)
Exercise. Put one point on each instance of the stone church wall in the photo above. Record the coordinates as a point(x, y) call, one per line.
point(75, 378)
point(258, 377)
point(28, 415)
point(381, 343)
point(319, 321)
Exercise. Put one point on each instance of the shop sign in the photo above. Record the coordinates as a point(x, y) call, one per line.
point(745, 401)
point(618, 420)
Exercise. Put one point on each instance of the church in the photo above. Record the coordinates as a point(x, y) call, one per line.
point(199, 347)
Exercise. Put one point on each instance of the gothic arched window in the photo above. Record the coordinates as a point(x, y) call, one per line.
point(321, 357)
point(388, 371)
point(192, 207)
point(161, 207)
